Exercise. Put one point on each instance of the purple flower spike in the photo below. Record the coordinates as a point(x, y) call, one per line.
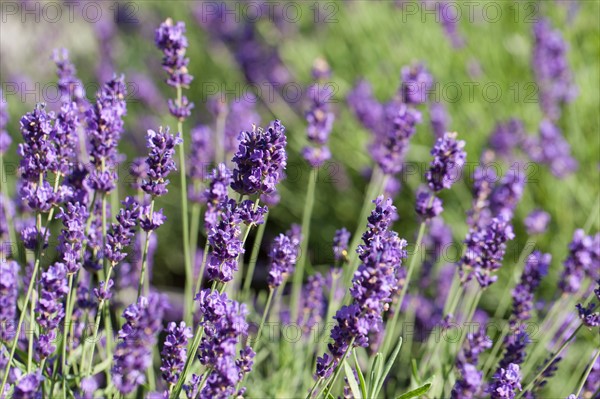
point(151, 221)
point(9, 290)
point(174, 353)
point(283, 256)
point(70, 241)
point(69, 86)
point(537, 222)
point(171, 40)
point(416, 84)
point(469, 386)
point(160, 161)
point(260, 160)
point(428, 205)
point(226, 246)
point(507, 382)
point(340, 244)
point(583, 259)
point(448, 159)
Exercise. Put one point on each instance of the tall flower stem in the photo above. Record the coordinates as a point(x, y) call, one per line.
point(306, 217)
point(391, 326)
point(586, 374)
point(202, 267)
point(66, 330)
point(550, 361)
point(264, 317)
point(329, 385)
point(189, 272)
point(253, 258)
point(144, 283)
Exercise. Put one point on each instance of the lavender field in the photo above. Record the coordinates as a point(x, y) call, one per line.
point(293, 199)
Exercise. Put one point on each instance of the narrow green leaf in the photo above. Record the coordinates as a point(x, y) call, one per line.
point(374, 373)
point(100, 367)
point(415, 393)
point(361, 377)
point(388, 366)
point(352, 381)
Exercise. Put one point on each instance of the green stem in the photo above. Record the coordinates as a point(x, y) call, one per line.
point(65, 334)
point(306, 217)
point(550, 361)
point(143, 281)
point(202, 267)
point(253, 258)
point(189, 272)
point(328, 386)
point(264, 317)
point(587, 373)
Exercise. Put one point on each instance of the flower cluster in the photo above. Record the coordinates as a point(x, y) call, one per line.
point(537, 222)
point(507, 135)
point(70, 241)
point(507, 382)
point(283, 256)
point(416, 84)
point(49, 307)
point(160, 161)
point(9, 289)
point(174, 352)
point(225, 243)
point(587, 314)
point(470, 384)
point(260, 160)
point(121, 233)
point(485, 249)
point(551, 149)
point(314, 303)
point(448, 159)
point(69, 86)
point(224, 322)
point(583, 260)
point(137, 338)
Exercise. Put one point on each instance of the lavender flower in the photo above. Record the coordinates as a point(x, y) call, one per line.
point(428, 205)
point(416, 84)
point(160, 161)
point(5, 139)
point(448, 160)
point(469, 385)
point(536, 267)
point(551, 69)
point(251, 213)
point(583, 259)
point(485, 250)
point(49, 308)
point(137, 337)
point(70, 242)
point(507, 136)
point(174, 353)
point(506, 383)
point(314, 302)
point(65, 138)
point(587, 314)
point(438, 115)
point(283, 256)
point(121, 233)
point(241, 114)
point(340, 244)
point(27, 386)
point(151, 220)
point(389, 148)
point(104, 129)
point(224, 325)
point(171, 40)
point(537, 222)
point(225, 243)
point(365, 106)
point(69, 86)
point(448, 18)
point(552, 149)
point(216, 193)
point(375, 281)
point(260, 160)
point(9, 289)
point(201, 155)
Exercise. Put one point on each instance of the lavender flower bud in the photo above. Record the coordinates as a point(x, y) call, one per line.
point(340, 244)
point(448, 160)
point(283, 256)
point(174, 353)
point(160, 161)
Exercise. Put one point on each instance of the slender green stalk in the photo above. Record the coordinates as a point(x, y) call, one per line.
point(587, 373)
point(328, 313)
point(550, 361)
point(143, 280)
point(189, 272)
point(66, 329)
point(329, 385)
point(202, 267)
point(253, 258)
point(391, 326)
point(306, 217)
point(264, 316)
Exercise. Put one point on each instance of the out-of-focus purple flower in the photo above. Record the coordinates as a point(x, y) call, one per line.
point(485, 249)
point(340, 244)
point(593, 380)
point(31, 238)
point(506, 384)
point(416, 84)
point(448, 14)
point(260, 160)
point(225, 243)
point(137, 338)
point(507, 136)
point(224, 322)
point(283, 256)
point(537, 222)
point(587, 314)
point(506, 195)
point(103, 292)
point(160, 161)
point(314, 302)
point(104, 129)
point(170, 38)
point(439, 117)
point(70, 241)
point(9, 290)
point(316, 156)
point(5, 139)
point(551, 69)
point(271, 199)
point(390, 147)
point(69, 86)
point(583, 259)
point(28, 386)
point(241, 114)
point(365, 106)
point(200, 157)
point(536, 267)
point(448, 159)
point(174, 352)
point(551, 149)
point(428, 205)
point(470, 384)
point(138, 171)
